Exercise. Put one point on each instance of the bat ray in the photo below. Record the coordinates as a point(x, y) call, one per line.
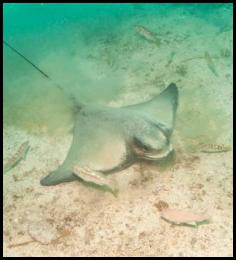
point(108, 139)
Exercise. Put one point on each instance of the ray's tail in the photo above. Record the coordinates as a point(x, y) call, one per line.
point(32, 64)
point(76, 105)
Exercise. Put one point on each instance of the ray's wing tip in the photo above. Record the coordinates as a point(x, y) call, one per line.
point(172, 89)
point(43, 182)
point(171, 92)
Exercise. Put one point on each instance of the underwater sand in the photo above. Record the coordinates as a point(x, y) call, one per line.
point(116, 68)
point(99, 224)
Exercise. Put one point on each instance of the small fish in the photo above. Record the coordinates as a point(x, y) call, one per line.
point(184, 217)
point(94, 178)
point(171, 58)
point(210, 63)
point(214, 148)
point(89, 175)
point(17, 157)
point(148, 35)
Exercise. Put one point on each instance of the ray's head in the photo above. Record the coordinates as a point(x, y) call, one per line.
point(154, 144)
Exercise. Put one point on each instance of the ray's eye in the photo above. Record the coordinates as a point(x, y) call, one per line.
point(144, 146)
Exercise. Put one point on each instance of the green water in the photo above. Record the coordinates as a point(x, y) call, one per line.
point(95, 53)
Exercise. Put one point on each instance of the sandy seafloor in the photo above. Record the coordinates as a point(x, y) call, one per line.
point(74, 220)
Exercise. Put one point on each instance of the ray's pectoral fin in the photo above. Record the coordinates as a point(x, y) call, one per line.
point(58, 176)
point(162, 108)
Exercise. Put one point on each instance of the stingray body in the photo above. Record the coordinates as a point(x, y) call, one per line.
point(107, 139)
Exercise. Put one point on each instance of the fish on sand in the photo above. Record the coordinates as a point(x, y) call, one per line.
point(184, 217)
point(17, 157)
point(147, 34)
point(210, 63)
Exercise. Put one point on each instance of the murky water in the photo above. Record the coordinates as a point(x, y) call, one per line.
point(117, 55)
point(97, 56)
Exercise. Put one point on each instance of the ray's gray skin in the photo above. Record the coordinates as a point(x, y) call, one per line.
point(110, 139)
